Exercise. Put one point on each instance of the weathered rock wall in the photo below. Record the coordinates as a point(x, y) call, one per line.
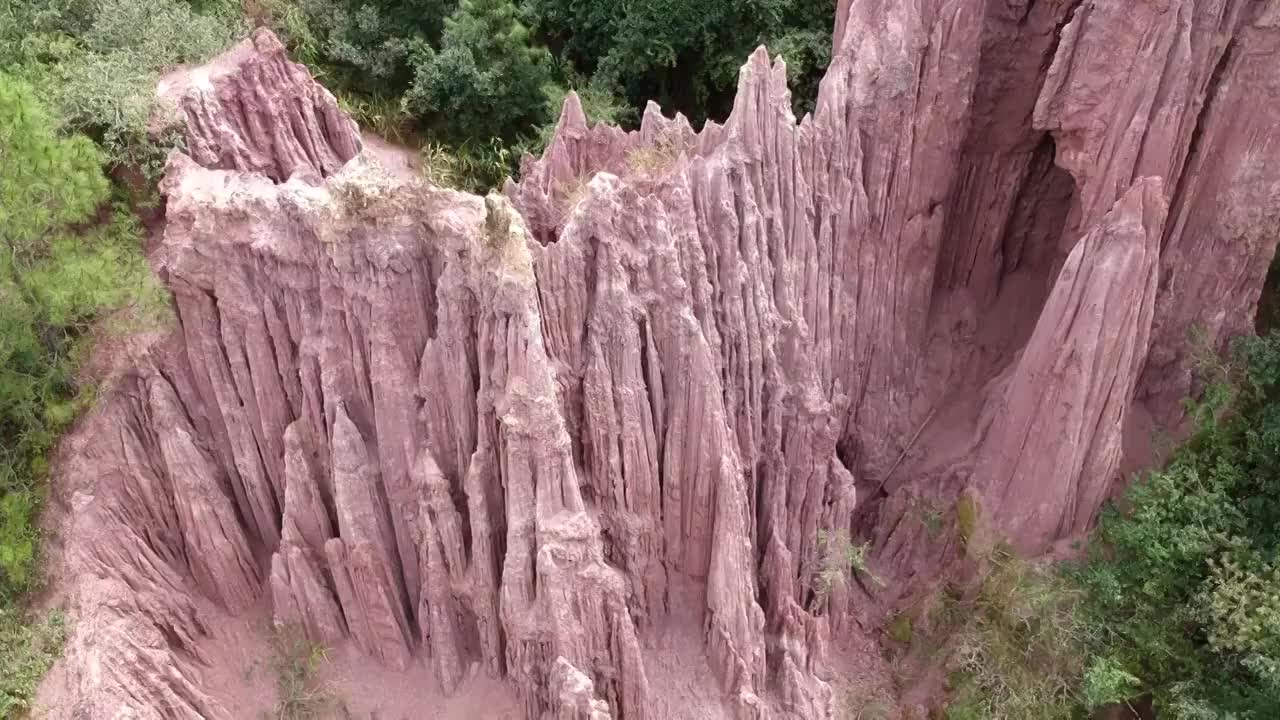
point(670, 374)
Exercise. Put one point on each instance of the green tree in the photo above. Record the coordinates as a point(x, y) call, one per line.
point(687, 55)
point(46, 183)
point(487, 79)
point(54, 281)
point(581, 32)
point(803, 39)
point(1186, 583)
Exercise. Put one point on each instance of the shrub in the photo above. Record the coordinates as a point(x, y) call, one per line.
point(968, 512)
point(1019, 651)
point(45, 181)
point(1184, 584)
point(901, 629)
point(599, 103)
point(837, 555)
point(98, 62)
point(381, 114)
point(475, 168)
point(297, 24)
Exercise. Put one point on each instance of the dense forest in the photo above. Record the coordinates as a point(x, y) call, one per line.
point(1176, 604)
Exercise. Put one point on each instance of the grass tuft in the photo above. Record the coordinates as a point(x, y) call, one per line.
point(837, 554)
point(967, 514)
point(28, 648)
point(296, 662)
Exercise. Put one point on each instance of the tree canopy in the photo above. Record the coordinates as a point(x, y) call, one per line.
point(487, 78)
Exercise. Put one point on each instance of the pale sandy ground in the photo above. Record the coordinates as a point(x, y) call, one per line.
point(398, 160)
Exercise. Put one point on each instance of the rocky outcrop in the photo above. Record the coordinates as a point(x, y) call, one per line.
point(576, 695)
point(1226, 204)
point(216, 550)
point(251, 109)
point(1057, 422)
point(300, 578)
point(137, 598)
point(673, 377)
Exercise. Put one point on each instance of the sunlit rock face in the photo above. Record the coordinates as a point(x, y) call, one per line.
point(659, 382)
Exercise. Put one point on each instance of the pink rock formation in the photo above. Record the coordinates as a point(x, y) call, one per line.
point(1057, 422)
point(664, 379)
point(251, 109)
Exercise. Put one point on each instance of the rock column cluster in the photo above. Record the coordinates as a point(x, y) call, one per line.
point(671, 373)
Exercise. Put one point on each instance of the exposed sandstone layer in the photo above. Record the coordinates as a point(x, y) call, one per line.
point(670, 374)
